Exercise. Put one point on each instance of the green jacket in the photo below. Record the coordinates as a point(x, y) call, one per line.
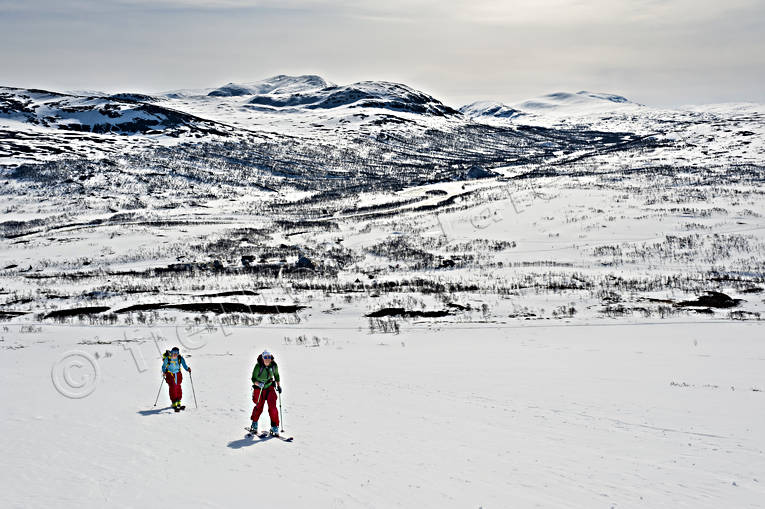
point(264, 374)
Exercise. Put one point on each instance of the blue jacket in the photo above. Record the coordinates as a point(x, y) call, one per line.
point(174, 366)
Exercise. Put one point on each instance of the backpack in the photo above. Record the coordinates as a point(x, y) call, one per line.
point(166, 356)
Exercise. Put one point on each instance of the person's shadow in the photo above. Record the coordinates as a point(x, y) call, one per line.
point(247, 441)
point(155, 411)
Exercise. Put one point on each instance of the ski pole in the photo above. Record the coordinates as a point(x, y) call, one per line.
point(160, 390)
point(193, 391)
point(281, 417)
point(281, 414)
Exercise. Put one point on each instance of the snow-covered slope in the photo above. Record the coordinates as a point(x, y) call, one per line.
point(121, 113)
point(40, 126)
point(452, 417)
point(293, 126)
point(370, 133)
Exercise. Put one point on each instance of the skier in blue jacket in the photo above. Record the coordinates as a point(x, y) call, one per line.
point(171, 368)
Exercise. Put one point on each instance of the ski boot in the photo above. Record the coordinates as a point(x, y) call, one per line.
point(274, 432)
point(254, 428)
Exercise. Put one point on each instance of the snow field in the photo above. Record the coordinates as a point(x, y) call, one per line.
point(624, 415)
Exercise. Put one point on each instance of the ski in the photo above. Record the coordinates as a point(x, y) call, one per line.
point(269, 435)
point(250, 434)
point(179, 408)
point(266, 434)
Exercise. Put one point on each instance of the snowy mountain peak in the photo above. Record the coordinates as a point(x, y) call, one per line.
point(489, 109)
point(604, 97)
point(280, 84)
point(579, 102)
point(558, 102)
point(363, 94)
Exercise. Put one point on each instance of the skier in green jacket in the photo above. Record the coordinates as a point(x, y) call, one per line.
point(264, 376)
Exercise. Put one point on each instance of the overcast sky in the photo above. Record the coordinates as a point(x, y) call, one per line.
point(659, 52)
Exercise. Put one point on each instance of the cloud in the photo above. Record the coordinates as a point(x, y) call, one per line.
point(492, 12)
point(598, 12)
point(667, 51)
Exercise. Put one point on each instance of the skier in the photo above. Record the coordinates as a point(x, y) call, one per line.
point(171, 367)
point(264, 375)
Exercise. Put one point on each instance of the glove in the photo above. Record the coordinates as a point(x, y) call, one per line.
point(189, 370)
point(279, 389)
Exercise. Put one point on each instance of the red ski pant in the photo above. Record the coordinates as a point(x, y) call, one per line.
point(174, 383)
point(268, 395)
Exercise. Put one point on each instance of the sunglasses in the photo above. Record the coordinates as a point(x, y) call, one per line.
point(268, 357)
